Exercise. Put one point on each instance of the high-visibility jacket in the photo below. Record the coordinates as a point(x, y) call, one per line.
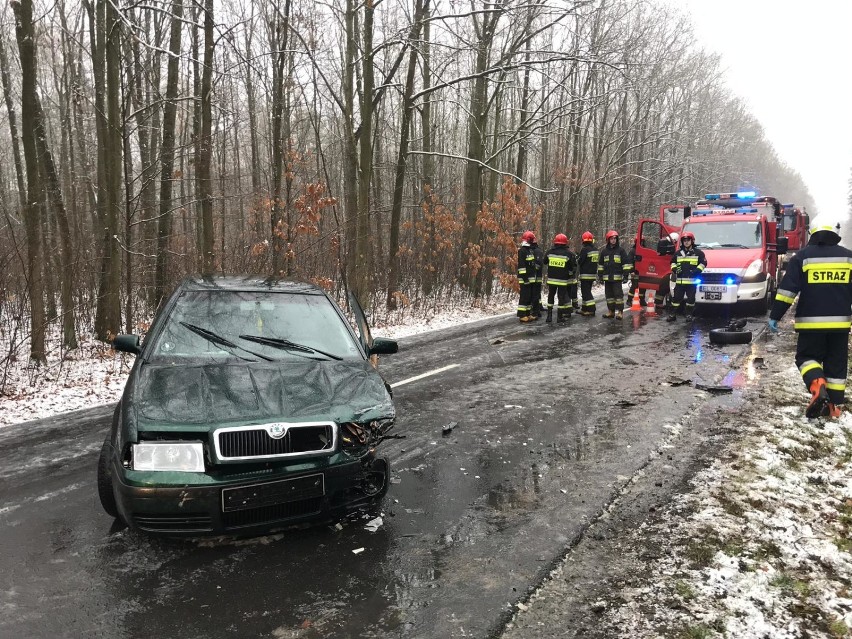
point(688, 264)
point(526, 264)
point(821, 275)
point(538, 261)
point(613, 265)
point(561, 265)
point(587, 261)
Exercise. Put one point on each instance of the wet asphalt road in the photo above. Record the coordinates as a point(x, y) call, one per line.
point(552, 421)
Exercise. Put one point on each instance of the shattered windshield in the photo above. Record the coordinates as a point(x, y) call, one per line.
point(213, 325)
point(722, 235)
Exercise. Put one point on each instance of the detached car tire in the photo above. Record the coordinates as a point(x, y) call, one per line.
point(105, 493)
point(724, 336)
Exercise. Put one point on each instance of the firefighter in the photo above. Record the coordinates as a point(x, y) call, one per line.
point(688, 262)
point(821, 275)
point(526, 275)
point(613, 269)
point(537, 280)
point(561, 269)
point(634, 278)
point(587, 267)
point(666, 246)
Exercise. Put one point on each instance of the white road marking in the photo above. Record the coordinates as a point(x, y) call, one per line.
point(429, 374)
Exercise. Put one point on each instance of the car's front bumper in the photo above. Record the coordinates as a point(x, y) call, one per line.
point(244, 507)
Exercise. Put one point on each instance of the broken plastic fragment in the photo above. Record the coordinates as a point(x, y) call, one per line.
point(357, 551)
point(374, 524)
point(710, 388)
point(448, 428)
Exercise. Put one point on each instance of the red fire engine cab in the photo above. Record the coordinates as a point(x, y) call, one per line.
point(739, 234)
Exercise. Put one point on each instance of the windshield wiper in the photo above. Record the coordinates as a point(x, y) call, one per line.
point(277, 342)
point(733, 246)
point(213, 338)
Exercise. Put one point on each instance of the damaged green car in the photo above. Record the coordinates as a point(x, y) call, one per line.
point(252, 405)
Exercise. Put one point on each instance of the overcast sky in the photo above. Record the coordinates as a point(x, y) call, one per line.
point(804, 50)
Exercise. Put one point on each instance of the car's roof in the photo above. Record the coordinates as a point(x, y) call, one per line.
point(257, 283)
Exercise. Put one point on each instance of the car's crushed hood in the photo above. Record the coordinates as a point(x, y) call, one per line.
point(251, 392)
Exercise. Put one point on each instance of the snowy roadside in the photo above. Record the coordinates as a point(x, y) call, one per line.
point(94, 374)
point(757, 546)
point(761, 547)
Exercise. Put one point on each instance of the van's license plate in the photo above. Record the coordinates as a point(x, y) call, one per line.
point(711, 288)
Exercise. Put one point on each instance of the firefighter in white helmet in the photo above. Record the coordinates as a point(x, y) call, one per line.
point(821, 276)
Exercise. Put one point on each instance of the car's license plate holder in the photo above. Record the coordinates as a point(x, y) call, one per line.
point(273, 493)
point(713, 296)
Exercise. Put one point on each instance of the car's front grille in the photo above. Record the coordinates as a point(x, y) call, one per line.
point(248, 442)
point(272, 514)
point(173, 523)
point(719, 278)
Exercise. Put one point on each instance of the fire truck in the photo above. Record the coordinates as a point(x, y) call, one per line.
point(739, 234)
point(795, 223)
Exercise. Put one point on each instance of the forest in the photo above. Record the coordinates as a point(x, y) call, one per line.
point(396, 149)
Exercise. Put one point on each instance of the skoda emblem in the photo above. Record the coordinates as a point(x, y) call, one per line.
point(276, 431)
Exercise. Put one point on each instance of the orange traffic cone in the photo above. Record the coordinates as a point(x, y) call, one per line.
point(636, 305)
point(651, 309)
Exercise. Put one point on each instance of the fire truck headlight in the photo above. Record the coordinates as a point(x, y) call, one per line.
point(754, 268)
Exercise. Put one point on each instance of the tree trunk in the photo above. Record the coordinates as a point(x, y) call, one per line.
point(167, 153)
point(420, 7)
point(204, 170)
point(32, 222)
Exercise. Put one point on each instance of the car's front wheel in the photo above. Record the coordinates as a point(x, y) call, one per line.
point(105, 493)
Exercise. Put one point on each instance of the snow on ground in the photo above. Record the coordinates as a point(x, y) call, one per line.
point(761, 547)
point(94, 374)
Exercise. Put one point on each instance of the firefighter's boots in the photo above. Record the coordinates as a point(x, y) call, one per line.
point(819, 405)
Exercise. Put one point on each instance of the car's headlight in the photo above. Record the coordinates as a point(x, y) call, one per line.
point(180, 456)
point(754, 268)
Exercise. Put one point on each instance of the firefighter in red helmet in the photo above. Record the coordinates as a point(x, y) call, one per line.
point(526, 276)
point(587, 266)
point(561, 269)
point(613, 269)
point(688, 262)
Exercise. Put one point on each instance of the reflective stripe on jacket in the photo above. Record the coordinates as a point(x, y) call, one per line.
point(821, 276)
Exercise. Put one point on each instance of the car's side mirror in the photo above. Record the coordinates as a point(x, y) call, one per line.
point(127, 344)
point(782, 245)
point(383, 346)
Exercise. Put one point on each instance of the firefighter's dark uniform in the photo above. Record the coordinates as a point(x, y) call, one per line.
point(587, 268)
point(687, 264)
point(821, 275)
point(634, 281)
point(526, 275)
point(561, 265)
point(537, 280)
point(613, 269)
